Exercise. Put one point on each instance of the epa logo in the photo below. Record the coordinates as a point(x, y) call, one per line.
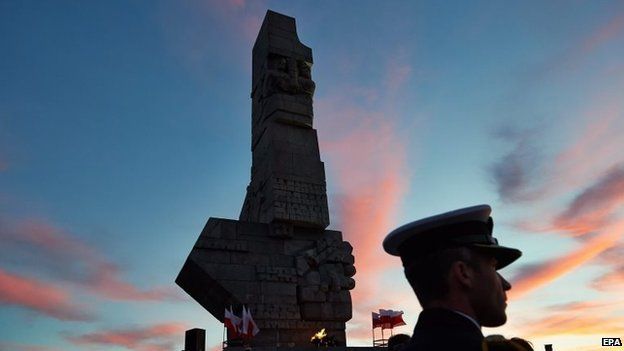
point(611, 342)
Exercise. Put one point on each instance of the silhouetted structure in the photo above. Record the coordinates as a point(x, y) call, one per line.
point(548, 347)
point(195, 340)
point(278, 259)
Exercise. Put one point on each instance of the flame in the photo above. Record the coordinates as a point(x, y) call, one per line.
point(319, 335)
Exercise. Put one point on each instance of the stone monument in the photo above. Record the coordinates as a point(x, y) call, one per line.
point(278, 259)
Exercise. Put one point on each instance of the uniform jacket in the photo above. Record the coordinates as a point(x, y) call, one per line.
point(440, 329)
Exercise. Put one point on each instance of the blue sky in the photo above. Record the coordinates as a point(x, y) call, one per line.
point(123, 127)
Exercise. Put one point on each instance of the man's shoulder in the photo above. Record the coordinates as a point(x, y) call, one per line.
point(440, 330)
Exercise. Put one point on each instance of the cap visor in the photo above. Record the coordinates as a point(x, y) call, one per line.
point(504, 255)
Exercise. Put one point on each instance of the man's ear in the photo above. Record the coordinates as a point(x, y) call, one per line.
point(462, 274)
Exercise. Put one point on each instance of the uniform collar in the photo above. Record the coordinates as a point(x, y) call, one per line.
point(469, 318)
point(446, 319)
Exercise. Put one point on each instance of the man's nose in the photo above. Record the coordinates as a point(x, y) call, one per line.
point(506, 284)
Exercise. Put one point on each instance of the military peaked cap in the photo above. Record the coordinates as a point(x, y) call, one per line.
point(469, 227)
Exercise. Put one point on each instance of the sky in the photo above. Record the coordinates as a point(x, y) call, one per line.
point(124, 126)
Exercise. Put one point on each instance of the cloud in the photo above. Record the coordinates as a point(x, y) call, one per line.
point(576, 53)
point(48, 250)
point(45, 298)
point(588, 211)
point(159, 337)
point(593, 207)
point(575, 325)
point(367, 156)
point(578, 318)
point(612, 280)
point(605, 33)
point(535, 276)
point(514, 175)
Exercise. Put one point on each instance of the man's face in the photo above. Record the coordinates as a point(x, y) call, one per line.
point(488, 297)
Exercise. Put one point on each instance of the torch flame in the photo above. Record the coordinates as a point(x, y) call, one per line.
point(319, 335)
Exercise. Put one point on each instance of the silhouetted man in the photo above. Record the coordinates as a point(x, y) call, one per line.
point(451, 262)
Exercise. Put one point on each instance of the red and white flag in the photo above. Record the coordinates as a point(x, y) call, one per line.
point(249, 329)
point(232, 322)
point(391, 319)
point(376, 320)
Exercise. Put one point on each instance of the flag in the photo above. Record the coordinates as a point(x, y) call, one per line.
point(232, 322)
point(385, 319)
point(376, 320)
point(396, 318)
point(249, 328)
point(391, 319)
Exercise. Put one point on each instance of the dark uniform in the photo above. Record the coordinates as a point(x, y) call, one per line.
point(441, 328)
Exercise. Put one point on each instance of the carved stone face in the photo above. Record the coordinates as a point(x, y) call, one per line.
point(278, 63)
point(304, 69)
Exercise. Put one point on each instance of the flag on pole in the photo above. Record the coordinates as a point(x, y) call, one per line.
point(376, 320)
point(249, 328)
point(396, 318)
point(391, 319)
point(232, 322)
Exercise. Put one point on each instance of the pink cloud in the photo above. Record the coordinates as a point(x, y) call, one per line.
point(582, 48)
point(367, 158)
point(540, 275)
point(592, 208)
point(609, 31)
point(159, 337)
point(595, 148)
point(577, 318)
point(613, 279)
point(106, 282)
point(70, 259)
point(41, 297)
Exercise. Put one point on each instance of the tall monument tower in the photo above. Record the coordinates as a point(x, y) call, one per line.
point(278, 259)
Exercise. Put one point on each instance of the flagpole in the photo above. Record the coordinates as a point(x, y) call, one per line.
point(373, 330)
point(223, 340)
point(382, 336)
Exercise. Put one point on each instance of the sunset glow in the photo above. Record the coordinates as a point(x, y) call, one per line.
point(124, 127)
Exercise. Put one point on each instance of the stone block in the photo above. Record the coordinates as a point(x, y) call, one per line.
point(348, 259)
point(230, 271)
point(349, 270)
point(302, 265)
point(339, 296)
point(249, 258)
point(265, 246)
point(323, 311)
point(312, 278)
point(282, 260)
point(311, 294)
point(292, 247)
point(252, 229)
point(279, 288)
point(341, 311)
point(221, 244)
point(281, 230)
point(273, 299)
point(347, 283)
point(346, 247)
point(213, 256)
